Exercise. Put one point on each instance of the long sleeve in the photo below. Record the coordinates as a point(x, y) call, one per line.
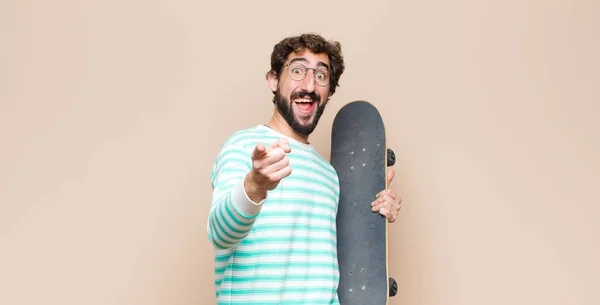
point(232, 213)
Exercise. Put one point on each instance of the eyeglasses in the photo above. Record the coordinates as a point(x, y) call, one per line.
point(298, 71)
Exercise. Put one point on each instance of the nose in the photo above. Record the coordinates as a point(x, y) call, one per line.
point(308, 83)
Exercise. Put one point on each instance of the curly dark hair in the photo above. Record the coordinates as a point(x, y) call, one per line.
point(316, 44)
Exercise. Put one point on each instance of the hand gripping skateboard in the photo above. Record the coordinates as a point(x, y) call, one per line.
point(360, 157)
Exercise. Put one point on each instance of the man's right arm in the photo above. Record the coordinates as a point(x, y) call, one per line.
point(240, 186)
point(232, 213)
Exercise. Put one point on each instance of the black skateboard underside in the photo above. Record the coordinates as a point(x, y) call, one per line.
point(358, 153)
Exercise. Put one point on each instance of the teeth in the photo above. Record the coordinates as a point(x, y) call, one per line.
point(302, 101)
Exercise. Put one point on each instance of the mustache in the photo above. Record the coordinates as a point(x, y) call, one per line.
point(300, 94)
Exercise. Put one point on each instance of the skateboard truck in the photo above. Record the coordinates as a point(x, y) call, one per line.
point(393, 287)
point(391, 157)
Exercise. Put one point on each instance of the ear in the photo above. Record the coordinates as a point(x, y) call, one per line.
point(272, 80)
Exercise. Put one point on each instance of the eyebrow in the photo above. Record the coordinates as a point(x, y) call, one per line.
point(321, 64)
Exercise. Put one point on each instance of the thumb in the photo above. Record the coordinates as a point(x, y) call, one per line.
point(284, 144)
point(390, 175)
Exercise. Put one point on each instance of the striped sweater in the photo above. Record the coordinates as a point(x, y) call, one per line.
point(283, 249)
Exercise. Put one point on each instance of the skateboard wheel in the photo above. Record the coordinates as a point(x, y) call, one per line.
point(391, 157)
point(393, 287)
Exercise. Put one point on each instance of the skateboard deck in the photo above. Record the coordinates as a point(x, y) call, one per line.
point(360, 157)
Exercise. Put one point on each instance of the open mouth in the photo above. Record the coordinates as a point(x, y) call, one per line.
point(304, 104)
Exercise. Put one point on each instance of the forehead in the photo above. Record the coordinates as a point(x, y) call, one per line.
point(310, 58)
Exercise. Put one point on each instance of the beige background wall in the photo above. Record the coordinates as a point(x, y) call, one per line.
point(111, 114)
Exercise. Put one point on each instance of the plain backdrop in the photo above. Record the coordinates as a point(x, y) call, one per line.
point(112, 113)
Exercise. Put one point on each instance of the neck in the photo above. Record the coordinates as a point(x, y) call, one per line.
point(279, 124)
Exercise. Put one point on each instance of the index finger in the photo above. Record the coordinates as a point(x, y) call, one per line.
point(259, 151)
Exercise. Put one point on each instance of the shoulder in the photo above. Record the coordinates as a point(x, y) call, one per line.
point(242, 138)
point(246, 139)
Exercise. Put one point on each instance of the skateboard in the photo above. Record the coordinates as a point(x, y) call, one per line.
point(360, 157)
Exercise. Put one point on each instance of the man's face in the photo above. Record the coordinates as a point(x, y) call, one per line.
point(301, 102)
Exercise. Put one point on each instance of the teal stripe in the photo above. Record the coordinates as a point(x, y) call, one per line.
point(281, 265)
point(252, 136)
point(305, 177)
point(235, 156)
point(285, 252)
point(222, 257)
point(220, 270)
point(307, 190)
point(295, 227)
point(231, 228)
point(225, 232)
point(241, 221)
point(256, 136)
point(276, 291)
point(266, 213)
point(287, 302)
point(226, 210)
point(298, 216)
point(229, 213)
point(292, 202)
point(219, 221)
point(244, 222)
point(279, 278)
point(215, 237)
point(308, 181)
point(309, 170)
point(316, 159)
point(230, 146)
point(233, 170)
point(311, 158)
point(286, 239)
point(324, 168)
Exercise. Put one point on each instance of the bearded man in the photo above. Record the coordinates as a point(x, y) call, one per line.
point(272, 220)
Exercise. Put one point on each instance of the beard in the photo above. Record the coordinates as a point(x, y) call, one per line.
point(284, 107)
